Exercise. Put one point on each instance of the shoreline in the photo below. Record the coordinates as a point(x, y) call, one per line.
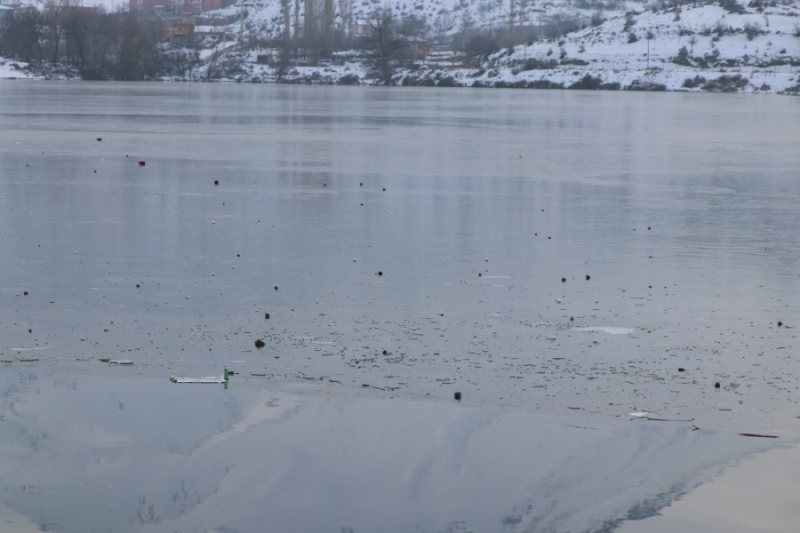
point(742, 80)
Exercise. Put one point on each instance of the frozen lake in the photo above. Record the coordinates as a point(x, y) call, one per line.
point(560, 258)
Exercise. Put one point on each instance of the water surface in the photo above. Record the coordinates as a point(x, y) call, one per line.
point(548, 254)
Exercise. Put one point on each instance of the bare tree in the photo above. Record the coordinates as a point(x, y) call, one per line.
point(287, 21)
point(53, 18)
point(511, 19)
point(138, 57)
point(284, 60)
point(309, 21)
point(326, 26)
point(89, 39)
point(460, 39)
point(384, 44)
point(296, 21)
point(20, 36)
point(346, 13)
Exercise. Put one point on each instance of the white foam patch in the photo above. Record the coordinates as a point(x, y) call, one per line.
point(609, 330)
point(28, 349)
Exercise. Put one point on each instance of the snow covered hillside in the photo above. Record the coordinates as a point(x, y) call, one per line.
point(721, 46)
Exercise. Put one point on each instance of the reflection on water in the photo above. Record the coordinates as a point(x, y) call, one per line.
point(85, 454)
point(760, 494)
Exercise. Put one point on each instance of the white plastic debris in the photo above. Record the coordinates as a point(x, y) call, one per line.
point(211, 379)
point(223, 379)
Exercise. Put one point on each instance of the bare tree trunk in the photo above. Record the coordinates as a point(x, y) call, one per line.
point(327, 25)
point(55, 11)
point(296, 21)
point(511, 18)
point(287, 21)
point(346, 12)
point(308, 22)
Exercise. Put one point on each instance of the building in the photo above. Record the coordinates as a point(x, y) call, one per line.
point(182, 32)
point(177, 7)
point(6, 11)
point(413, 48)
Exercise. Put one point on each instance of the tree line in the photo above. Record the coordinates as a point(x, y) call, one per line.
point(99, 45)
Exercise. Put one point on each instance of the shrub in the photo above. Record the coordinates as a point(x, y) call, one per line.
point(682, 58)
point(576, 61)
point(693, 83)
point(544, 84)
point(538, 64)
point(350, 79)
point(481, 45)
point(590, 83)
point(752, 30)
point(639, 85)
point(629, 21)
point(726, 84)
point(632, 37)
point(731, 6)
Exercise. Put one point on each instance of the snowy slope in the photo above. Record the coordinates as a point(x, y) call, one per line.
point(443, 17)
point(607, 46)
point(750, 49)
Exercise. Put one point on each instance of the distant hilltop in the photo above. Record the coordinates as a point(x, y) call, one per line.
point(724, 46)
